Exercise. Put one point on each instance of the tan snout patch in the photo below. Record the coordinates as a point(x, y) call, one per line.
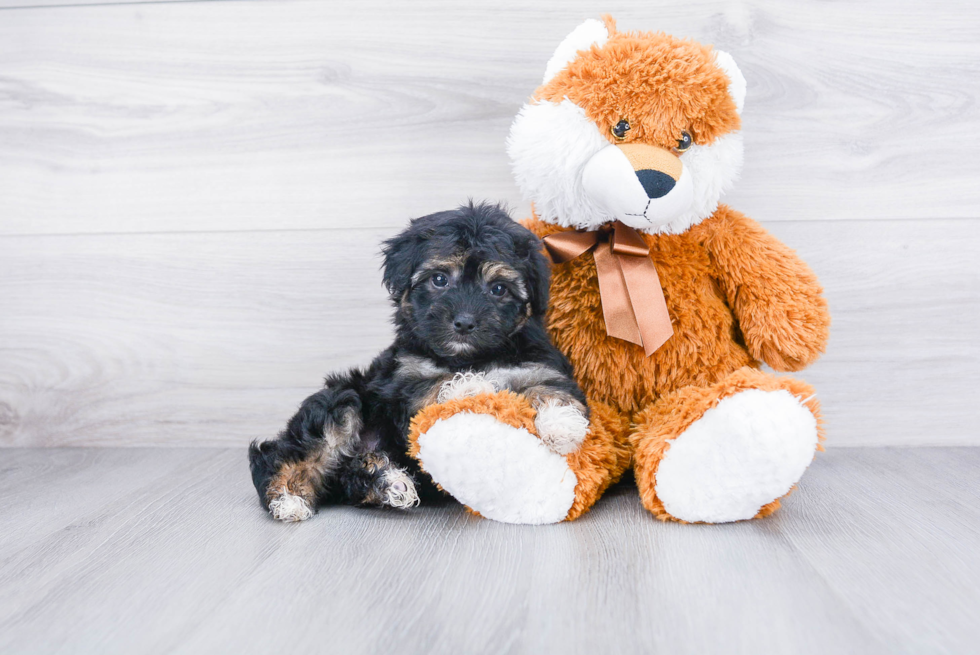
point(644, 157)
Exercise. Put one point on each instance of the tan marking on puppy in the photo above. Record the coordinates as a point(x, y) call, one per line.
point(453, 265)
point(374, 462)
point(493, 271)
point(293, 490)
point(412, 367)
point(519, 378)
point(431, 398)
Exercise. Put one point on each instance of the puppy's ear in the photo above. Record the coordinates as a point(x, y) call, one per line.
point(537, 273)
point(402, 256)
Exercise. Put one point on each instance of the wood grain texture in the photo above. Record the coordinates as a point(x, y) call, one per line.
point(875, 553)
point(304, 114)
point(214, 338)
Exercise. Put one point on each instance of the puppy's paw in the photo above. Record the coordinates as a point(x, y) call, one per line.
point(288, 507)
point(400, 490)
point(561, 427)
point(467, 384)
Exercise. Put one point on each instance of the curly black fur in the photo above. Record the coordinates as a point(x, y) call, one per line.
point(470, 290)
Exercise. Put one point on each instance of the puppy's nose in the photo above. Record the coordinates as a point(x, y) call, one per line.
point(655, 183)
point(464, 323)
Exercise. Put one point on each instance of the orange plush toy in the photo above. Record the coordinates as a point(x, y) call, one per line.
point(665, 301)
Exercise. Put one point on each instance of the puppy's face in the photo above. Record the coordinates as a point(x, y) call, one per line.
point(465, 282)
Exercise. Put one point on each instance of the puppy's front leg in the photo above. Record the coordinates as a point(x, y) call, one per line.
point(562, 420)
point(294, 471)
point(371, 479)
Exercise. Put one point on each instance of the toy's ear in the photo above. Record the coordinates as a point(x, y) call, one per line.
point(591, 32)
point(736, 85)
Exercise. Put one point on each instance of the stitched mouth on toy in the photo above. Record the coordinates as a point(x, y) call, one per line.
point(643, 215)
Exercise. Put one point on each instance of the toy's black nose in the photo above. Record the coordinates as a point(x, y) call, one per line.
point(655, 183)
point(464, 323)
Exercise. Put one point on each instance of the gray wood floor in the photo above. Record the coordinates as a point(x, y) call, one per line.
point(165, 550)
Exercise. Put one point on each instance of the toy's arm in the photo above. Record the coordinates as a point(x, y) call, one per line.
point(777, 299)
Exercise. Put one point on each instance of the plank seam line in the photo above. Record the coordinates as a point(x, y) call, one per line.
point(392, 228)
point(116, 4)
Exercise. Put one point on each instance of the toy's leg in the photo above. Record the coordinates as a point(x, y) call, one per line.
point(726, 452)
point(484, 450)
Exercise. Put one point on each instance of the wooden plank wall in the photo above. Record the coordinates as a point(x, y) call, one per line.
point(192, 194)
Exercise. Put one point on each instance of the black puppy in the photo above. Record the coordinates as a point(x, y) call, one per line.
point(470, 288)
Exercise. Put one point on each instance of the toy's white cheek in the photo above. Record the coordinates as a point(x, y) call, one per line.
point(610, 182)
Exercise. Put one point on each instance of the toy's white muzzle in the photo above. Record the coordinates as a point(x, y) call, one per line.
point(642, 186)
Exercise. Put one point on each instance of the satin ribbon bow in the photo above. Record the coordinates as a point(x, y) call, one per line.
point(632, 299)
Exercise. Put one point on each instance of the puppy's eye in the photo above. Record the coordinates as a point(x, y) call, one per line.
point(685, 142)
point(440, 280)
point(620, 129)
point(498, 289)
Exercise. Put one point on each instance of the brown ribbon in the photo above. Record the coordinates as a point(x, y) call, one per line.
point(633, 302)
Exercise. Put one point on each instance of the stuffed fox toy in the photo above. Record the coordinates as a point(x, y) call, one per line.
point(665, 301)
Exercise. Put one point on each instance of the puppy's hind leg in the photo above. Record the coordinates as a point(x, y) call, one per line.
point(296, 470)
point(371, 479)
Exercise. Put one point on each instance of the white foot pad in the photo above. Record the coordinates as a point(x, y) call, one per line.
point(745, 452)
point(288, 507)
point(504, 473)
point(400, 492)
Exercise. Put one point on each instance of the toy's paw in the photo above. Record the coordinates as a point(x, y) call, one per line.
point(503, 472)
point(288, 507)
point(742, 454)
point(562, 428)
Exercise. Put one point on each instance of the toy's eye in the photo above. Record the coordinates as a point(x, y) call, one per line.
point(620, 129)
point(685, 142)
point(440, 280)
point(498, 289)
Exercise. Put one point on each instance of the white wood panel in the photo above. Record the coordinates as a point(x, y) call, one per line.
point(305, 114)
point(214, 338)
point(167, 551)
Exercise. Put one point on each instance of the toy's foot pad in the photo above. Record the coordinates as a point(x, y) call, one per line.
point(505, 473)
point(748, 450)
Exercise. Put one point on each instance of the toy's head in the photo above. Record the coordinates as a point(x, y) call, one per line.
point(639, 127)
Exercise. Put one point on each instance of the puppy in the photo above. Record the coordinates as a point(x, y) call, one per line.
point(470, 290)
